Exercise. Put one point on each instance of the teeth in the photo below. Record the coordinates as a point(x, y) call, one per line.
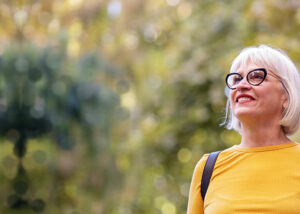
point(244, 98)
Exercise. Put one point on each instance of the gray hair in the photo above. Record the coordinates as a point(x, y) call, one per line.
point(280, 64)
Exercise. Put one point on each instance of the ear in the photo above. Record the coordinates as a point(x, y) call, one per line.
point(284, 105)
point(285, 102)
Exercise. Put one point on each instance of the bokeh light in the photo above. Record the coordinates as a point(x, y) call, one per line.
point(107, 106)
point(114, 9)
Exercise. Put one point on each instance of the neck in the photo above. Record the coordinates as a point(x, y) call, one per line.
point(259, 134)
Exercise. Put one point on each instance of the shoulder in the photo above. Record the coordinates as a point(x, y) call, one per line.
point(199, 167)
point(200, 164)
point(225, 154)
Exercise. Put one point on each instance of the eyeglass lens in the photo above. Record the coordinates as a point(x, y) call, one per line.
point(254, 77)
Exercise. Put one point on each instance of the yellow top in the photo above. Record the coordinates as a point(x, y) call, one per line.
point(250, 180)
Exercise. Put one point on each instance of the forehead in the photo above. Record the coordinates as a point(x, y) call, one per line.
point(246, 68)
point(247, 61)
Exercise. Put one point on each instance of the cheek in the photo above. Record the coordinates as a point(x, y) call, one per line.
point(274, 100)
point(232, 95)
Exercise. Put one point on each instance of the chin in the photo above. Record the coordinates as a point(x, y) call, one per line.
point(245, 113)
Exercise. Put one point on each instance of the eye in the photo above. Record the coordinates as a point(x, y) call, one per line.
point(256, 75)
point(236, 79)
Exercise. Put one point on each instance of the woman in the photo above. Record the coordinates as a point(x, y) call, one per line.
point(262, 173)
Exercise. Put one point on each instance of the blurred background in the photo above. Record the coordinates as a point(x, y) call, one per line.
point(106, 106)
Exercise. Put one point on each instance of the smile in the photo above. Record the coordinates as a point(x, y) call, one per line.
point(244, 98)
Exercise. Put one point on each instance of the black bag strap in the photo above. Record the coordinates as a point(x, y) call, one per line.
point(207, 172)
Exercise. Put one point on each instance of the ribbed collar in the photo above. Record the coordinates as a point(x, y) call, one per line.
point(265, 148)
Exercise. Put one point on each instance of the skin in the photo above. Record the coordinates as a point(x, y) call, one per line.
point(260, 117)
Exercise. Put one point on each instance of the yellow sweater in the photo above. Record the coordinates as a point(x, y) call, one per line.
point(250, 180)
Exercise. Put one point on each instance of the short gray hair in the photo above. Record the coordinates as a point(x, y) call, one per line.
point(280, 64)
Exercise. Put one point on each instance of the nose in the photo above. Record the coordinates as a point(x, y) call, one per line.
point(244, 84)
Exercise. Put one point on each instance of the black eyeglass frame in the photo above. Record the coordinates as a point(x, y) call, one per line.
point(247, 77)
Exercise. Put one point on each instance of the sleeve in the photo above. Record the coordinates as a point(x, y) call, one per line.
point(195, 202)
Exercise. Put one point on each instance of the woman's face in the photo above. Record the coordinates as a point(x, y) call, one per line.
point(264, 101)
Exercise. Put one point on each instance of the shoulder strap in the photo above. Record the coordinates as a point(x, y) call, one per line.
point(207, 172)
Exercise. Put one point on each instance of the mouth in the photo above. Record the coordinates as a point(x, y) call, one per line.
point(244, 98)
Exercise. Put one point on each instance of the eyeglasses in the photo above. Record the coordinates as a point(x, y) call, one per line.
point(254, 77)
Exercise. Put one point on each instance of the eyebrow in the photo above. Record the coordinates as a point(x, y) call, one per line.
point(255, 69)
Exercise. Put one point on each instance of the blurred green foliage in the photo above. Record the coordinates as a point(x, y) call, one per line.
point(133, 90)
point(50, 98)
